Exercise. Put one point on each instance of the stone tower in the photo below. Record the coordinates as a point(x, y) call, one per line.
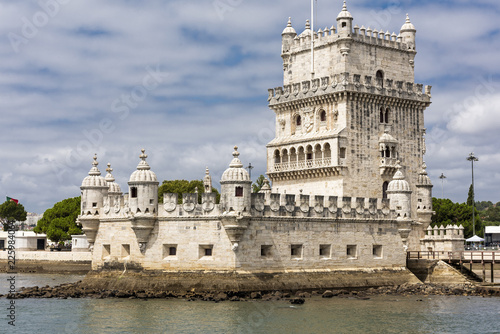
point(236, 187)
point(340, 130)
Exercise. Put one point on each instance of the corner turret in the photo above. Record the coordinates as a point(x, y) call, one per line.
point(344, 23)
point(287, 37)
point(236, 187)
point(143, 201)
point(399, 194)
point(408, 34)
point(424, 198)
point(94, 190)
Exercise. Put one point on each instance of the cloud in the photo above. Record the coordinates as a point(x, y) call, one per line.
point(61, 82)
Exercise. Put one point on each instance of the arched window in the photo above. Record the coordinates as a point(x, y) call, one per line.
point(386, 118)
point(384, 189)
point(298, 121)
point(277, 158)
point(380, 78)
point(387, 152)
point(382, 115)
point(322, 116)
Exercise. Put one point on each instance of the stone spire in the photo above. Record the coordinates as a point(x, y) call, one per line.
point(94, 170)
point(207, 181)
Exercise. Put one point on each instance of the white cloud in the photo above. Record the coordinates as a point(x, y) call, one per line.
point(63, 81)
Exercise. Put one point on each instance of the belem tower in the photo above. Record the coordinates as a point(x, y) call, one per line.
point(349, 189)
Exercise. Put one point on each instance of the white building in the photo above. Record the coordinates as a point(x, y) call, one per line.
point(24, 241)
point(349, 185)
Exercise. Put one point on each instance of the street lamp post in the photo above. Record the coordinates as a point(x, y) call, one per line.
point(250, 167)
point(473, 158)
point(442, 177)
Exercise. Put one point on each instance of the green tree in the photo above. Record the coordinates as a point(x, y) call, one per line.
point(470, 196)
point(10, 212)
point(449, 213)
point(59, 222)
point(181, 187)
point(258, 184)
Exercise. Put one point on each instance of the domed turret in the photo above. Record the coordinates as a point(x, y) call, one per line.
point(94, 188)
point(408, 33)
point(344, 22)
point(399, 193)
point(424, 197)
point(236, 187)
point(287, 36)
point(113, 187)
point(143, 188)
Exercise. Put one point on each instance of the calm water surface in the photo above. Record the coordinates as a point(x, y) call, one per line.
point(381, 314)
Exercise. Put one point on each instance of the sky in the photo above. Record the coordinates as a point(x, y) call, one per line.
point(188, 80)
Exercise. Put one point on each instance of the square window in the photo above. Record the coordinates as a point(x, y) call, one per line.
point(351, 251)
point(151, 201)
point(265, 250)
point(125, 251)
point(94, 205)
point(206, 251)
point(133, 192)
point(377, 251)
point(296, 251)
point(169, 251)
point(238, 192)
point(106, 251)
point(325, 251)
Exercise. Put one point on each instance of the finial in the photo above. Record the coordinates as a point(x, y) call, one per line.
point(407, 18)
point(424, 166)
point(308, 25)
point(95, 163)
point(236, 153)
point(344, 7)
point(398, 165)
point(143, 156)
point(109, 169)
point(207, 172)
point(289, 22)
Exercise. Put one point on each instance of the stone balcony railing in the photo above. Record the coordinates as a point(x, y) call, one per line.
point(301, 165)
point(387, 165)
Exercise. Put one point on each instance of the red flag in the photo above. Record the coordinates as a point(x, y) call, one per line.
point(13, 200)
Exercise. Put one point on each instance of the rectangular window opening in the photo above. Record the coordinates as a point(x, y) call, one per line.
point(351, 251)
point(296, 251)
point(125, 251)
point(238, 192)
point(325, 251)
point(169, 251)
point(106, 251)
point(206, 251)
point(133, 192)
point(265, 250)
point(94, 205)
point(377, 251)
point(342, 153)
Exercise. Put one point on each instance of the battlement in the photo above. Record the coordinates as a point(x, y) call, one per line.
point(288, 205)
point(354, 83)
point(444, 232)
point(327, 36)
point(275, 205)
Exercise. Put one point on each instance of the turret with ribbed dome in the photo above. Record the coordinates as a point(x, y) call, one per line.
point(143, 188)
point(287, 36)
point(236, 187)
point(114, 188)
point(408, 34)
point(344, 22)
point(424, 197)
point(399, 194)
point(94, 188)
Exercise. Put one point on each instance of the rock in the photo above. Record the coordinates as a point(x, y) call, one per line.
point(141, 295)
point(327, 294)
point(255, 295)
point(235, 299)
point(297, 301)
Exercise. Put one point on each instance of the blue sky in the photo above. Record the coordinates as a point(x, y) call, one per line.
point(188, 81)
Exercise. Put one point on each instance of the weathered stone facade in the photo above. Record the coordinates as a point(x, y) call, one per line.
point(348, 188)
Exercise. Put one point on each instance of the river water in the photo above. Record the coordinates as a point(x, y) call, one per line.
point(380, 314)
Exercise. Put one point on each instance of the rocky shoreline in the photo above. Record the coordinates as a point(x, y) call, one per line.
point(76, 290)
